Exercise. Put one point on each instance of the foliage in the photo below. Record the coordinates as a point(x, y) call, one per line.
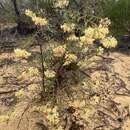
point(118, 12)
point(6, 11)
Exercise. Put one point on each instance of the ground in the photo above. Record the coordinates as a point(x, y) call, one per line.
point(122, 67)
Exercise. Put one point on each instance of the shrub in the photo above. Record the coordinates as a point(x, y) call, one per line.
point(62, 62)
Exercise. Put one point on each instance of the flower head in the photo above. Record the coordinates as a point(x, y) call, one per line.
point(37, 20)
point(20, 93)
point(19, 53)
point(61, 3)
point(89, 32)
point(86, 40)
point(109, 42)
point(100, 50)
point(50, 73)
point(33, 71)
point(100, 32)
point(59, 51)
point(72, 38)
point(68, 27)
point(70, 58)
point(30, 13)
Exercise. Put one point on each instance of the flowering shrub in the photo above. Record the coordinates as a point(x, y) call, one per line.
point(64, 65)
point(61, 73)
point(62, 61)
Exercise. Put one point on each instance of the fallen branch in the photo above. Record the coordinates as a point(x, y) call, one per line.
point(7, 92)
point(26, 108)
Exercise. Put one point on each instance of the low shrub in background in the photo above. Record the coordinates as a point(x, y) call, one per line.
point(118, 12)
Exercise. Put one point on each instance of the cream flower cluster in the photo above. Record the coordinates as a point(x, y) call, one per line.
point(88, 37)
point(37, 20)
point(100, 50)
point(68, 27)
point(31, 72)
point(19, 53)
point(86, 40)
point(61, 3)
point(70, 58)
point(99, 33)
point(20, 93)
point(30, 13)
point(59, 51)
point(109, 42)
point(50, 74)
point(94, 33)
point(72, 37)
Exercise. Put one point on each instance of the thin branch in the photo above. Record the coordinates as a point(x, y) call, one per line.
point(16, 8)
point(42, 67)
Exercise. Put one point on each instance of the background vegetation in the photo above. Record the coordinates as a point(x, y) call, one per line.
point(118, 12)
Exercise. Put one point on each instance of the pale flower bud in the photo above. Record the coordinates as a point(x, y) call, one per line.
point(68, 27)
point(109, 42)
point(59, 51)
point(19, 53)
point(70, 58)
point(50, 74)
